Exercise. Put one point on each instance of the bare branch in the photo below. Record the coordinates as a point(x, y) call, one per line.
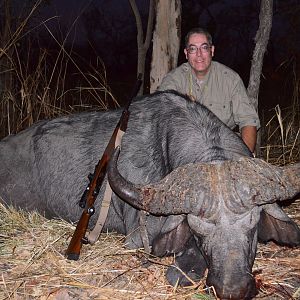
point(138, 20)
point(150, 24)
point(261, 39)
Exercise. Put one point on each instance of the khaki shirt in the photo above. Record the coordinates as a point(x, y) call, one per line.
point(222, 91)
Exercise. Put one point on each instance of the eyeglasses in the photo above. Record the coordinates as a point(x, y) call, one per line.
point(204, 48)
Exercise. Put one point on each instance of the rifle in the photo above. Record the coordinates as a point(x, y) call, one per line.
point(96, 179)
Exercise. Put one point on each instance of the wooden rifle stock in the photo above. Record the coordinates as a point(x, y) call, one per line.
point(96, 179)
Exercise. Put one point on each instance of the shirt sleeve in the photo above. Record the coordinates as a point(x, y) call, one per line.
point(243, 111)
point(168, 83)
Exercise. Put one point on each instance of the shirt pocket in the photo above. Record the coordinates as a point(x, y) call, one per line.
point(223, 111)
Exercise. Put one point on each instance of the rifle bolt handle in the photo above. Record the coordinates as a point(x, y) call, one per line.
point(91, 210)
point(85, 240)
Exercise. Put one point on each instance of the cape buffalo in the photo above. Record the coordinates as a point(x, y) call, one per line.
point(207, 199)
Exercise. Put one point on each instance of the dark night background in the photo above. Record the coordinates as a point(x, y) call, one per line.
point(102, 29)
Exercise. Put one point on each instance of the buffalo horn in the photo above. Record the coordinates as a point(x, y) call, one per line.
point(271, 183)
point(169, 196)
point(198, 188)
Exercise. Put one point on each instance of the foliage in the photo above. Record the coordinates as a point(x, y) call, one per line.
point(281, 128)
point(36, 83)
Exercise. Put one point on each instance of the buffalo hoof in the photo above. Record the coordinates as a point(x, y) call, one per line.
point(189, 266)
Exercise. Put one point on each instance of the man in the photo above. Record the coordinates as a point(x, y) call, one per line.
point(216, 86)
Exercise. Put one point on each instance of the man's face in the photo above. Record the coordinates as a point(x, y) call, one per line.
point(200, 59)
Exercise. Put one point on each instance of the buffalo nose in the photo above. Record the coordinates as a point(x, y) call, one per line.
point(241, 288)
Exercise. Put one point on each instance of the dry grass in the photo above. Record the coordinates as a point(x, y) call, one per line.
point(277, 269)
point(37, 83)
point(281, 132)
point(33, 265)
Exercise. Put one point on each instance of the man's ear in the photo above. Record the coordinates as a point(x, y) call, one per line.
point(186, 53)
point(212, 50)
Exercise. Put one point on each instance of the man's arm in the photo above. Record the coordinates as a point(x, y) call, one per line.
point(168, 83)
point(248, 134)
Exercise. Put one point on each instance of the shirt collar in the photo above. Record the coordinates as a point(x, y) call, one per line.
point(188, 68)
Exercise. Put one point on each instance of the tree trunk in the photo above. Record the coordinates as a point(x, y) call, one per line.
point(261, 39)
point(142, 45)
point(166, 40)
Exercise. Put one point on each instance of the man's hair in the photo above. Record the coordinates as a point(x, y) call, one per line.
point(198, 30)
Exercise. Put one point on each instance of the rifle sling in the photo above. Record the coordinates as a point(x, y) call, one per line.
point(94, 234)
point(143, 231)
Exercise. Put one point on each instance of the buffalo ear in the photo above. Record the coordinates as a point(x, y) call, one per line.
point(172, 241)
point(283, 232)
point(190, 265)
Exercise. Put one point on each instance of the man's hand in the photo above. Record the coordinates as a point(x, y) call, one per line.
point(248, 134)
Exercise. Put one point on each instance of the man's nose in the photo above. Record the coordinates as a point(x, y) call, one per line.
point(199, 52)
